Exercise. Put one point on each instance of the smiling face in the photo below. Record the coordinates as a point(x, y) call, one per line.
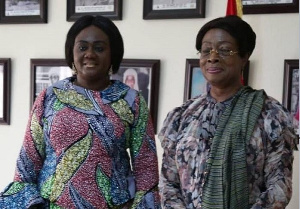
point(221, 71)
point(92, 56)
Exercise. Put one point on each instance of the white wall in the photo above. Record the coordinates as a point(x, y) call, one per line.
point(171, 41)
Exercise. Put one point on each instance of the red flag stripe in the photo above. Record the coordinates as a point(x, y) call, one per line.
point(231, 8)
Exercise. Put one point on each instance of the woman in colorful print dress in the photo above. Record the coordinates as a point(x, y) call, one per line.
point(74, 153)
point(231, 147)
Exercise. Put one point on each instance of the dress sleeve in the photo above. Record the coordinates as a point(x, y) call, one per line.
point(280, 144)
point(169, 179)
point(23, 192)
point(144, 158)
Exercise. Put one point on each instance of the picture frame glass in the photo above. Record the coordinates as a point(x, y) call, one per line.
point(47, 75)
point(294, 108)
point(22, 8)
point(294, 92)
point(270, 6)
point(111, 9)
point(143, 76)
point(1, 92)
point(44, 73)
point(199, 85)
point(5, 95)
point(84, 6)
point(290, 98)
point(173, 9)
point(173, 4)
point(137, 78)
point(294, 104)
point(269, 2)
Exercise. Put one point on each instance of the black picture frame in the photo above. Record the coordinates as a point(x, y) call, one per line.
point(290, 97)
point(43, 71)
point(115, 14)
point(5, 80)
point(192, 67)
point(147, 72)
point(197, 12)
point(271, 7)
point(10, 16)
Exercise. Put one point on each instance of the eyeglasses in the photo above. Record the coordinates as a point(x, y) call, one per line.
point(221, 52)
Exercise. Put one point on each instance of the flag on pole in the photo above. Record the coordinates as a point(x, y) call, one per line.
point(234, 7)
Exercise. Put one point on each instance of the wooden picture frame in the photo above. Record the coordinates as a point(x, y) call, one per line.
point(111, 9)
point(31, 11)
point(44, 72)
point(195, 83)
point(167, 9)
point(146, 72)
point(290, 98)
point(5, 82)
point(269, 7)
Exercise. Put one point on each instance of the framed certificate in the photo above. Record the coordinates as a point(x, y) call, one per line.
point(109, 8)
point(30, 11)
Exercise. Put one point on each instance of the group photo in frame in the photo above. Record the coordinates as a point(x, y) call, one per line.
point(111, 9)
point(196, 84)
point(173, 9)
point(290, 97)
point(45, 72)
point(5, 82)
point(270, 6)
point(23, 11)
point(143, 76)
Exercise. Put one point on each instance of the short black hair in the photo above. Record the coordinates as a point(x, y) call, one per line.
point(240, 30)
point(108, 27)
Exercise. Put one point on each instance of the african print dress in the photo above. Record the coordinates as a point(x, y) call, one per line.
point(75, 151)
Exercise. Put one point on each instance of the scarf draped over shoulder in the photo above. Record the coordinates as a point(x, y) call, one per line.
point(226, 185)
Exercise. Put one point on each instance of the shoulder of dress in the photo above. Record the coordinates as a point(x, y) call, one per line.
point(273, 108)
point(277, 122)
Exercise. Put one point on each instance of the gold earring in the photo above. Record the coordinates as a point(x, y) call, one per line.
point(74, 70)
point(110, 71)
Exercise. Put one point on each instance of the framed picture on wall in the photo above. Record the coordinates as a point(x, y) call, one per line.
point(5, 79)
point(29, 11)
point(195, 83)
point(109, 8)
point(45, 72)
point(290, 98)
point(143, 76)
point(173, 9)
point(270, 6)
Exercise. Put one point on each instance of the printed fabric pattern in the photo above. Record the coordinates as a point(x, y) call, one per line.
point(186, 139)
point(75, 151)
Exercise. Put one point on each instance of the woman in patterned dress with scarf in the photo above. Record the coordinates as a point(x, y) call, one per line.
point(231, 147)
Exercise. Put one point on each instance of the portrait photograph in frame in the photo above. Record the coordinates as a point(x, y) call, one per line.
point(5, 82)
point(45, 72)
point(23, 12)
point(195, 83)
point(111, 9)
point(143, 76)
point(270, 6)
point(290, 98)
point(173, 9)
